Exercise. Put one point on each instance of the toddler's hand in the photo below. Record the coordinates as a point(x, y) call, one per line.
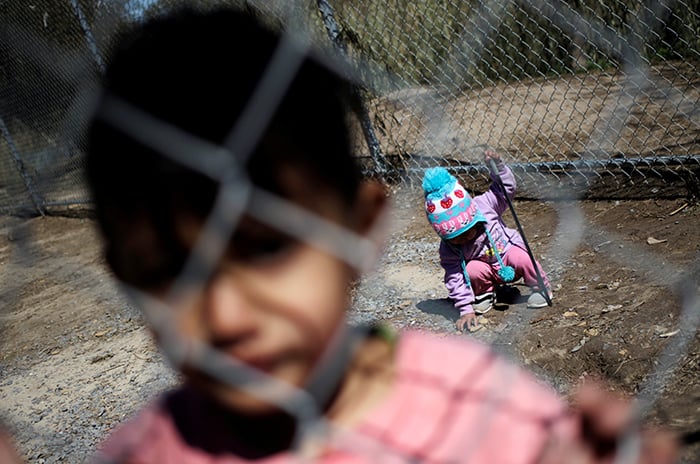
point(492, 155)
point(467, 321)
point(604, 418)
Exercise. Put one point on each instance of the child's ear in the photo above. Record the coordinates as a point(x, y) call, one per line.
point(369, 219)
point(370, 206)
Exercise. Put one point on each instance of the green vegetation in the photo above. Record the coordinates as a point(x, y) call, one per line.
point(473, 44)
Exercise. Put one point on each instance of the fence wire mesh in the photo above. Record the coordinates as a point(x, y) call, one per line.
point(584, 99)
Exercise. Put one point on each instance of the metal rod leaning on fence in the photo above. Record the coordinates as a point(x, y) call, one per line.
point(540, 281)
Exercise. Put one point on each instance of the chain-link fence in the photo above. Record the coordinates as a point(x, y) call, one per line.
point(584, 98)
point(574, 92)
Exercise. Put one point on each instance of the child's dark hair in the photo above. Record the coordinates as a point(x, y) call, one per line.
point(196, 71)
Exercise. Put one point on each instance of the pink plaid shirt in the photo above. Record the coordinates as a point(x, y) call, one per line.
point(453, 401)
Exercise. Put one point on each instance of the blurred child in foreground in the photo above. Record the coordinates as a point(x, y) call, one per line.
point(478, 252)
point(272, 371)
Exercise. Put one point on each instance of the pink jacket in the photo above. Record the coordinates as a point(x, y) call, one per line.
point(453, 401)
point(492, 204)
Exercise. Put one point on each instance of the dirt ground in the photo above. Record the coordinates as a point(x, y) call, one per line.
point(76, 358)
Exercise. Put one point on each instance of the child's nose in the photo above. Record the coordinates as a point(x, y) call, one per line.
point(229, 312)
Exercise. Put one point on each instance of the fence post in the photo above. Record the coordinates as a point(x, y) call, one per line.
point(92, 44)
point(367, 129)
point(33, 195)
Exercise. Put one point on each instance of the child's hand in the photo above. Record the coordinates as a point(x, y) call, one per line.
point(491, 155)
point(604, 418)
point(467, 321)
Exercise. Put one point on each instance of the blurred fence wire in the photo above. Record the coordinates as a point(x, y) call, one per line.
point(584, 99)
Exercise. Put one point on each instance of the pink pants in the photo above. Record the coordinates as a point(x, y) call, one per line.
point(483, 276)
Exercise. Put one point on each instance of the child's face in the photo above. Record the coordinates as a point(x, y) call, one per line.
point(467, 236)
point(274, 302)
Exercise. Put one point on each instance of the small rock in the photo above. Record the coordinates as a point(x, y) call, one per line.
point(579, 346)
point(669, 334)
point(610, 308)
point(654, 241)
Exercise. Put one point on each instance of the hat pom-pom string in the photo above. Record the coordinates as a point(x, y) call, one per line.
point(507, 273)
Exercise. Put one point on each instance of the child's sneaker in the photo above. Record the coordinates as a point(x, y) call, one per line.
point(537, 300)
point(483, 303)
